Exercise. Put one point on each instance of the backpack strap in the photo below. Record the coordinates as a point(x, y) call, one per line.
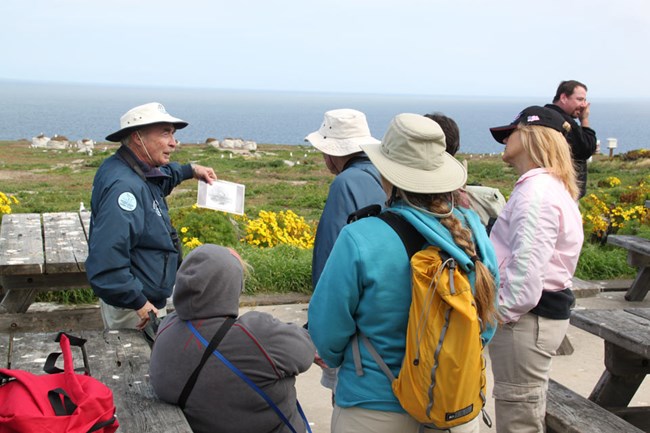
point(411, 238)
point(250, 383)
point(50, 363)
point(412, 241)
point(218, 336)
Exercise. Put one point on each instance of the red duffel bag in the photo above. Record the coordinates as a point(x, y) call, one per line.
point(63, 401)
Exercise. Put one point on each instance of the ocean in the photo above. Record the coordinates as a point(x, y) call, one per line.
point(93, 111)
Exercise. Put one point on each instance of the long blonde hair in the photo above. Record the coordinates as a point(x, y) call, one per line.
point(485, 287)
point(549, 149)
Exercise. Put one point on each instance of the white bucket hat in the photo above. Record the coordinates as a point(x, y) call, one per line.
point(412, 156)
point(342, 132)
point(143, 115)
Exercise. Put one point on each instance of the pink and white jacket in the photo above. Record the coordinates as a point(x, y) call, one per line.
point(537, 239)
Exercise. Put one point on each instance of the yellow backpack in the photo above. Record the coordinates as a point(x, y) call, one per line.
point(442, 379)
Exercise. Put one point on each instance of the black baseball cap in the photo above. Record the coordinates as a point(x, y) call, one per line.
point(533, 115)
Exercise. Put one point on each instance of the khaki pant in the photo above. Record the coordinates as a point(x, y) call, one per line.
point(520, 355)
point(121, 318)
point(358, 420)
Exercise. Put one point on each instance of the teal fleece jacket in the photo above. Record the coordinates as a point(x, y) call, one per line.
point(366, 286)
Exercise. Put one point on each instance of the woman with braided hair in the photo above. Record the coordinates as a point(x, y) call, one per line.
point(365, 286)
point(537, 239)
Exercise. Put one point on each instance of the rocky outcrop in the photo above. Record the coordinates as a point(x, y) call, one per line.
point(40, 140)
point(58, 142)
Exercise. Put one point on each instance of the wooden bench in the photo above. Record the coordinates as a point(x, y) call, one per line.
point(638, 256)
point(119, 359)
point(626, 336)
point(568, 412)
point(41, 252)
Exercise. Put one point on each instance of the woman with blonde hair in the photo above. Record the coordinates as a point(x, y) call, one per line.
point(365, 286)
point(537, 239)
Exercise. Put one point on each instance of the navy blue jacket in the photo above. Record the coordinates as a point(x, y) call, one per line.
point(131, 256)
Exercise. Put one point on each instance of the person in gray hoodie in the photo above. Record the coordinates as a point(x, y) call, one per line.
point(271, 353)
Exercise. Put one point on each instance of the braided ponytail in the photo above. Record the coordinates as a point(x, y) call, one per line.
point(485, 288)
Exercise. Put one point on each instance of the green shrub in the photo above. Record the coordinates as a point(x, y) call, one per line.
point(281, 269)
point(211, 227)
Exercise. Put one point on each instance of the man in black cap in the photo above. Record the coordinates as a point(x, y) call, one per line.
point(571, 102)
point(133, 250)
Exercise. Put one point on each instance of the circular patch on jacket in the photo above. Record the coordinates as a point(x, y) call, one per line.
point(127, 201)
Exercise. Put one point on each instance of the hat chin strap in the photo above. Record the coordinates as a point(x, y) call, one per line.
point(153, 163)
point(393, 197)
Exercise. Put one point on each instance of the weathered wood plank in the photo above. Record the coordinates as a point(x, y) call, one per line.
point(626, 330)
point(632, 243)
point(613, 390)
point(88, 318)
point(85, 222)
point(568, 412)
point(50, 282)
point(638, 416)
point(641, 312)
point(120, 359)
point(584, 289)
point(66, 248)
point(640, 286)
point(17, 301)
point(21, 244)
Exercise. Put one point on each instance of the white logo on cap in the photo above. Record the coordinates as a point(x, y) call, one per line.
point(161, 108)
point(127, 201)
point(533, 118)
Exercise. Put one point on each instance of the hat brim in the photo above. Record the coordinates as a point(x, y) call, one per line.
point(450, 176)
point(118, 136)
point(500, 133)
point(339, 147)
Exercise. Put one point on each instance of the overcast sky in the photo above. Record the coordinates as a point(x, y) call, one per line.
point(425, 47)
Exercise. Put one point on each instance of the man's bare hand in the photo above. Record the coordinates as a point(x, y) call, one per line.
point(143, 314)
point(206, 174)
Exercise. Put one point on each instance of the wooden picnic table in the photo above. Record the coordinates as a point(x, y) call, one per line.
point(638, 256)
point(41, 252)
point(626, 335)
point(119, 359)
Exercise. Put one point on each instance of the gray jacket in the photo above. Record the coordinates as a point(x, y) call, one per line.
point(271, 353)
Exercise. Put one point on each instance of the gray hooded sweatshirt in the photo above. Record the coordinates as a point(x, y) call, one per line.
point(271, 353)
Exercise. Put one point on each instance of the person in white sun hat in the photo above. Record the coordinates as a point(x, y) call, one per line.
point(366, 284)
point(356, 186)
point(357, 183)
point(133, 250)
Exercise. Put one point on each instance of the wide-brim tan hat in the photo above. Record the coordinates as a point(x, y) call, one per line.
point(342, 133)
point(412, 156)
point(143, 115)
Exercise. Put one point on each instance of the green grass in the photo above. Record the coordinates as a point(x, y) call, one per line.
point(603, 263)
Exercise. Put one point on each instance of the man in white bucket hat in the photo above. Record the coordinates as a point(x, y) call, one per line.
point(366, 284)
point(357, 185)
point(133, 249)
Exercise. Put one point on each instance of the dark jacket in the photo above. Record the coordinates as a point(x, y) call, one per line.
point(356, 187)
point(583, 144)
point(131, 256)
point(271, 353)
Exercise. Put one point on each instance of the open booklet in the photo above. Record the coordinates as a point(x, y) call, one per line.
point(221, 195)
